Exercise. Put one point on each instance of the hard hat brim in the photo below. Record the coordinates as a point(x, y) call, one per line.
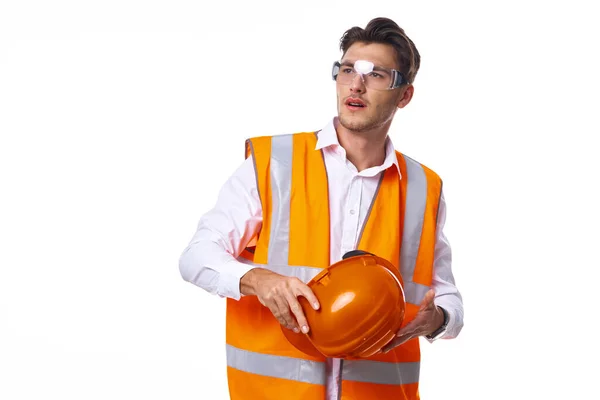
point(301, 342)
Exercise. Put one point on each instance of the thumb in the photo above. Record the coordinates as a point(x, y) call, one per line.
point(428, 299)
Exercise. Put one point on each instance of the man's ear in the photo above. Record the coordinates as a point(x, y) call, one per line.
point(407, 95)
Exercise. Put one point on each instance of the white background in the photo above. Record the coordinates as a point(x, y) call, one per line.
point(120, 120)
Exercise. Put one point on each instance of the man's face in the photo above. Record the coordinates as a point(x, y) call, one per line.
point(379, 106)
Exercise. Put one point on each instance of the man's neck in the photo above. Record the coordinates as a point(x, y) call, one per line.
point(363, 149)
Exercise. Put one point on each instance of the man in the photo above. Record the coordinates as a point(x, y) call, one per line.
point(298, 203)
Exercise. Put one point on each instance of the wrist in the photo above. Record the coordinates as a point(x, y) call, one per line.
point(442, 319)
point(248, 283)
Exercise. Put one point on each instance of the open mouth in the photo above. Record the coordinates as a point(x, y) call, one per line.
point(355, 103)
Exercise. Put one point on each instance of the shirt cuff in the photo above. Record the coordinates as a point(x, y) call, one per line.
point(229, 279)
point(450, 324)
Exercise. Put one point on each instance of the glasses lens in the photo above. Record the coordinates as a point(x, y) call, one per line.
point(377, 78)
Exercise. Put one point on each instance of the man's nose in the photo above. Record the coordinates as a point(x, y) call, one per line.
point(357, 84)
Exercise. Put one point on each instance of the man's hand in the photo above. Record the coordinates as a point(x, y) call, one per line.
point(279, 294)
point(428, 319)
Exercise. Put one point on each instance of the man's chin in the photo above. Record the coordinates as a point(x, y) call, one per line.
point(353, 123)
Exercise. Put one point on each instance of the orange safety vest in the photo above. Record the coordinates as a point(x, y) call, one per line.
point(294, 241)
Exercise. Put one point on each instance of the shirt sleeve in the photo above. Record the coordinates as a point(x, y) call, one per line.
point(447, 294)
point(210, 259)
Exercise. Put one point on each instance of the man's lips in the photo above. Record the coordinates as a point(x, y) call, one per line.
point(354, 103)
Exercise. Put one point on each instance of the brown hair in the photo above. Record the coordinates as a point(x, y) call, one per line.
point(385, 31)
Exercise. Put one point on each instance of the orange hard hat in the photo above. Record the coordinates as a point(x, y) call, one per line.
point(362, 307)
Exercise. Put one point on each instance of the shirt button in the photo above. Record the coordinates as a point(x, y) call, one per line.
point(352, 212)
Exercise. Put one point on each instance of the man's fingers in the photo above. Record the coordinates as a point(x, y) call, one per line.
point(408, 328)
point(304, 291)
point(277, 313)
point(403, 335)
point(296, 310)
point(390, 345)
point(285, 318)
point(413, 328)
point(301, 289)
point(394, 343)
point(286, 308)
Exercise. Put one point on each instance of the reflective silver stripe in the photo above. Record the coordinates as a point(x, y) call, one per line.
point(414, 213)
point(362, 230)
point(381, 372)
point(281, 184)
point(305, 274)
point(295, 369)
point(255, 169)
point(414, 292)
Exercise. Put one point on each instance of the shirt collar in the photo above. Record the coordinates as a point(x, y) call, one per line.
point(327, 137)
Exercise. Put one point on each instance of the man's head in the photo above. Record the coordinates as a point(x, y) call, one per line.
point(369, 92)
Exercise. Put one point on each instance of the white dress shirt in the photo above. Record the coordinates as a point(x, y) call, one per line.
point(209, 261)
